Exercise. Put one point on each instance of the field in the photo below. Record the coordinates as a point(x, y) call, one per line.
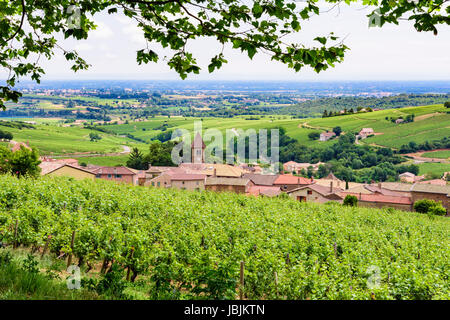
point(435, 168)
point(189, 245)
point(443, 154)
point(431, 123)
point(52, 139)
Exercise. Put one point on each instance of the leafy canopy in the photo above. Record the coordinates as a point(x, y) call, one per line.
point(28, 29)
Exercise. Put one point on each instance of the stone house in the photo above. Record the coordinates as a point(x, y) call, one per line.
point(432, 192)
point(237, 185)
point(316, 193)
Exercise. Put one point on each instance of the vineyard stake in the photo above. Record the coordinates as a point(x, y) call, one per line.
point(241, 288)
point(276, 282)
point(335, 250)
point(129, 267)
point(15, 234)
point(46, 245)
point(69, 259)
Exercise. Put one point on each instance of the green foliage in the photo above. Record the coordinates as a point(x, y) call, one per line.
point(160, 154)
point(30, 264)
point(188, 245)
point(257, 26)
point(429, 206)
point(337, 130)
point(94, 136)
point(6, 135)
point(351, 201)
point(136, 160)
point(23, 162)
point(314, 135)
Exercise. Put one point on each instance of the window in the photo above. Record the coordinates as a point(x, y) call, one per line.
point(98, 175)
point(309, 192)
point(182, 182)
point(109, 176)
point(196, 183)
point(153, 183)
point(118, 176)
point(159, 184)
point(199, 152)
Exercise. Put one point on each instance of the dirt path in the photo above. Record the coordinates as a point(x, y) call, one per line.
point(418, 156)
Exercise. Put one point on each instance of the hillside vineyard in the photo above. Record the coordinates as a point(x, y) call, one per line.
point(191, 244)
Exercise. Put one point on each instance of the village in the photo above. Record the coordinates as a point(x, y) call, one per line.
point(252, 180)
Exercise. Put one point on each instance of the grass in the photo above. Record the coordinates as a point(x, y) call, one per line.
point(432, 123)
point(17, 282)
point(55, 140)
point(105, 161)
point(435, 168)
point(442, 154)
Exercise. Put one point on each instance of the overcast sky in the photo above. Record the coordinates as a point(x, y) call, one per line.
point(389, 53)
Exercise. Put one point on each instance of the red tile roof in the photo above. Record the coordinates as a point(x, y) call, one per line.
point(290, 179)
point(264, 190)
point(113, 170)
point(380, 198)
point(186, 176)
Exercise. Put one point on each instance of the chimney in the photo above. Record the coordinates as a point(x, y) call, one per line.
point(360, 196)
point(331, 186)
point(379, 185)
point(215, 172)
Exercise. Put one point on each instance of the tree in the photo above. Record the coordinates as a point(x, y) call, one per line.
point(136, 160)
point(351, 201)
point(447, 104)
point(160, 154)
point(28, 29)
point(6, 135)
point(94, 136)
point(337, 130)
point(314, 135)
point(23, 162)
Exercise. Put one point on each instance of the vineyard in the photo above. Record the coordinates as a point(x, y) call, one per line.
point(194, 245)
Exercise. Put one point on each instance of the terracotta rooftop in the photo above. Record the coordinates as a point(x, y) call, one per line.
point(430, 188)
point(198, 142)
point(380, 198)
point(290, 179)
point(113, 170)
point(268, 191)
point(186, 176)
point(323, 190)
point(261, 179)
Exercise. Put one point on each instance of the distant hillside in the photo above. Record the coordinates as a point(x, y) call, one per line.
point(316, 107)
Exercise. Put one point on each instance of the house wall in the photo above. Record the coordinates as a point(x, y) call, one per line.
point(163, 180)
point(432, 196)
point(313, 197)
point(220, 188)
point(381, 205)
point(71, 172)
point(188, 184)
point(126, 178)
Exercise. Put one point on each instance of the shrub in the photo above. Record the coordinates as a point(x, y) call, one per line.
point(430, 207)
point(423, 206)
point(351, 201)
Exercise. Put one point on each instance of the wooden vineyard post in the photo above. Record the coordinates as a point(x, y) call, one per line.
point(46, 245)
point(241, 286)
point(69, 259)
point(276, 282)
point(129, 268)
point(15, 234)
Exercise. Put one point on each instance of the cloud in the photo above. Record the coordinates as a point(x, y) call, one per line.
point(102, 31)
point(83, 47)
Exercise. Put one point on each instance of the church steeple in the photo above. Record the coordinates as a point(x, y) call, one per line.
point(198, 149)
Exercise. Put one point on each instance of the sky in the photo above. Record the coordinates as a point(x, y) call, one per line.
point(393, 52)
